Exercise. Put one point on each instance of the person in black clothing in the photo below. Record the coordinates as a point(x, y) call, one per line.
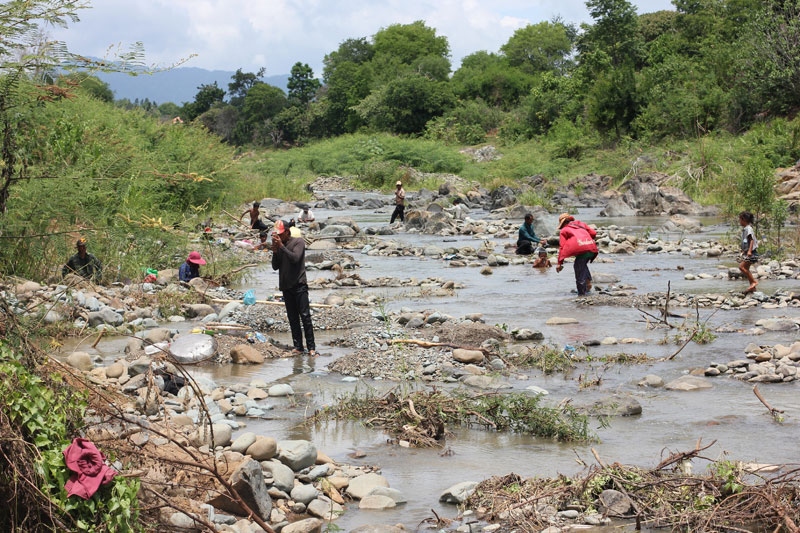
point(83, 264)
point(289, 259)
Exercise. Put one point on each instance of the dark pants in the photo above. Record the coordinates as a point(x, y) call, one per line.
point(582, 274)
point(298, 310)
point(399, 211)
point(524, 247)
point(259, 225)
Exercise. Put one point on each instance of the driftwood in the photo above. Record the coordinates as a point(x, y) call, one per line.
point(776, 413)
point(431, 344)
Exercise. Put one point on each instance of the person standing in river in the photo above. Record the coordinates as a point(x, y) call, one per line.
point(399, 203)
point(526, 237)
point(576, 239)
point(749, 246)
point(289, 259)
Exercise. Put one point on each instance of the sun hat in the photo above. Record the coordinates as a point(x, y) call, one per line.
point(399, 183)
point(563, 218)
point(81, 242)
point(195, 258)
point(279, 227)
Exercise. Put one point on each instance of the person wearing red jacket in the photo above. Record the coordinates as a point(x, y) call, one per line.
point(576, 239)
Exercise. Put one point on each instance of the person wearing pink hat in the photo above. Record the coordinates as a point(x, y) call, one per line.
point(289, 259)
point(191, 268)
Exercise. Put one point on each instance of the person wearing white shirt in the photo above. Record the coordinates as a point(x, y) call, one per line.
point(305, 215)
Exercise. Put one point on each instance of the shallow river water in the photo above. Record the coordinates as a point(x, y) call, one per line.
point(522, 297)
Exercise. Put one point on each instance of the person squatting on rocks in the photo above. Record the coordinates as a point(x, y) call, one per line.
point(255, 220)
point(526, 237)
point(749, 248)
point(190, 269)
point(306, 215)
point(399, 203)
point(84, 264)
point(289, 259)
point(576, 239)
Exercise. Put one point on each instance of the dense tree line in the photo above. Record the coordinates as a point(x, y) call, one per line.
point(704, 66)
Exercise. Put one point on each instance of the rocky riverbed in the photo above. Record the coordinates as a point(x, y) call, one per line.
point(291, 484)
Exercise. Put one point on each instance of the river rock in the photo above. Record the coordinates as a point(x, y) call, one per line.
point(297, 454)
point(248, 480)
point(80, 360)
point(115, 370)
point(614, 503)
point(378, 529)
point(333, 299)
point(485, 382)
point(361, 486)
point(304, 493)
point(282, 475)
point(559, 321)
point(458, 493)
point(193, 348)
point(325, 508)
point(777, 324)
point(615, 405)
point(651, 380)
point(105, 316)
point(376, 502)
point(202, 436)
point(229, 308)
point(468, 356)
point(263, 448)
point(688, 383)
point(394, 494)
point(243, 442)
point(308, 525)
point(281, 389)
point(244, 354)
point(527, 335)
point(155, 335)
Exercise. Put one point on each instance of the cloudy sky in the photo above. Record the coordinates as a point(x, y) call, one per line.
point(275, 34)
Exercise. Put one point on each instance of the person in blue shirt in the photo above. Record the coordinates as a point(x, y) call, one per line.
point(190, 269)
point(527, 238)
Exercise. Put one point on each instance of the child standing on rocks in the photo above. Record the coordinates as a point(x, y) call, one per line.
point(749, 248)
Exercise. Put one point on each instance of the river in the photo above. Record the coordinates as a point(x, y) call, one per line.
point(522, 297)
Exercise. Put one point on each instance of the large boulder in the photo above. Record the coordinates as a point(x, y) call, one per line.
point(244, 354)
point(297, 454)
point(248, 481)
point(361, 486)
point(193, 348)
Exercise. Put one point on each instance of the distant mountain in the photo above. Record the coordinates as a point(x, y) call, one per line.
point(178, 85)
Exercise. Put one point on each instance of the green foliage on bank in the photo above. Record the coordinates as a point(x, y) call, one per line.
point(41, 414)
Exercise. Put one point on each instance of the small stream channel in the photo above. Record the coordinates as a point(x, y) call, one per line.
point(522, 297)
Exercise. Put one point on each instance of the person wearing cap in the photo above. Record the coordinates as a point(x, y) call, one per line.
point(84, 264)
point(526, 236)
point(576, 239)
point(289, 259)
point(255, 214)
point(399, 203)
point(190, 269)
point(305, 215)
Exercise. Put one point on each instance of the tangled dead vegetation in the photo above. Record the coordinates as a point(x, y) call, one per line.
point(728, 496)
point(421, 418)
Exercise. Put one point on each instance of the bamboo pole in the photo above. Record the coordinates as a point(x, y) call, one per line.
point(266, 302)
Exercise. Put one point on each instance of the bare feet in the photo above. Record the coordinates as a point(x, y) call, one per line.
point(751, 288)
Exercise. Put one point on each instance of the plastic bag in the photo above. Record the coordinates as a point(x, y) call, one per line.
point(249, 297)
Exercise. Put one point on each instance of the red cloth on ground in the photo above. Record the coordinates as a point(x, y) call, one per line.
point(88, 466)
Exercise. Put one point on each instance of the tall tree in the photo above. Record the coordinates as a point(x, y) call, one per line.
point(614, 31)
point(241, 83)
point(302, 84)
point(207, 95)
point(543, 47)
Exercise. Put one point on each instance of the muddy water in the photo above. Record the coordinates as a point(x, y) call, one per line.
point(522, 297)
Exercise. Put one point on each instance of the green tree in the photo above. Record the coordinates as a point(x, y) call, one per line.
point(347, 75)
point(614, 32)
point(241, 82)
point(542, 47)
point(489, 77)
point(404, 48)
point(207, 95)
point(302, 84)
point(406, 104)
point(262, 103)
point(92, 85)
